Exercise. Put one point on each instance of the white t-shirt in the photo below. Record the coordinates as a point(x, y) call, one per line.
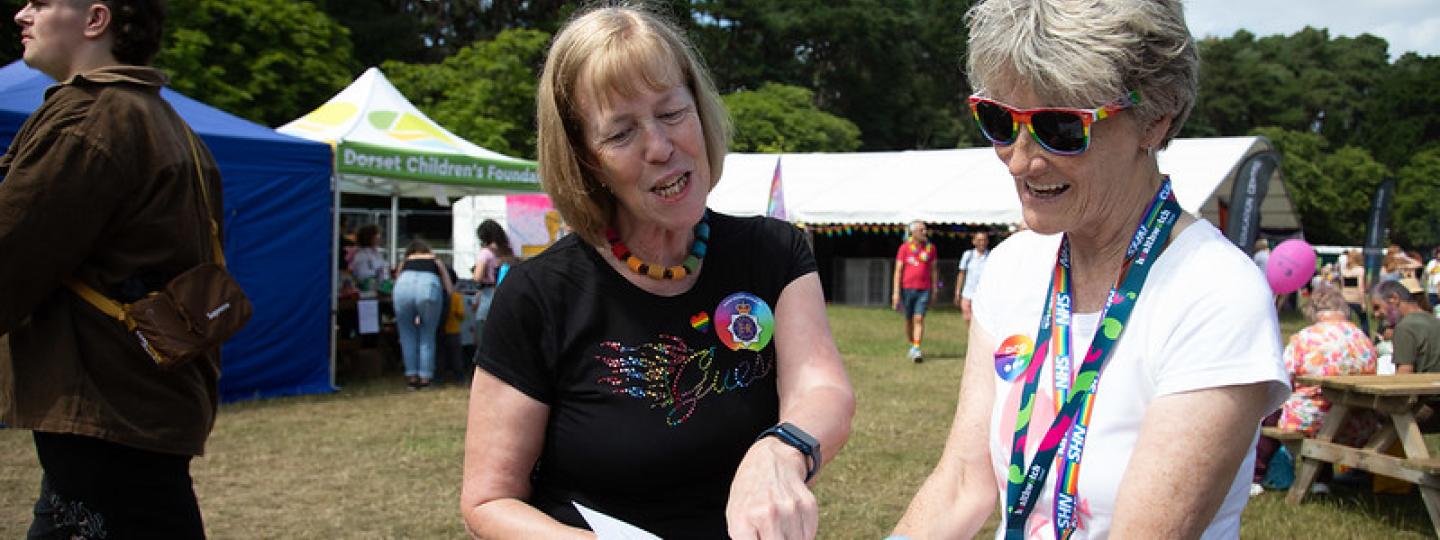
point(1432, 276)
point(1203, 320)
point(369, 263)
point(972, 263)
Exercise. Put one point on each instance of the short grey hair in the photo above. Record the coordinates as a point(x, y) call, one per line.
point(1088, 53)
point(1325, 298)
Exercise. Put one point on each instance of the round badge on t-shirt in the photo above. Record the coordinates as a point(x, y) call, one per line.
point(744, 321)
point(1013, 356)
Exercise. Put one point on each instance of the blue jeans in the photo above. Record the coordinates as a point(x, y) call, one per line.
point(418, 295)
point(482, 313)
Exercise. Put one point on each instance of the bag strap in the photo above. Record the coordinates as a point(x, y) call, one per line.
point(205, 200)
point(101, 302)
point(115, 309)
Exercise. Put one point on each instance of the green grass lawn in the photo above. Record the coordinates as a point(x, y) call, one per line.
point(377, 461)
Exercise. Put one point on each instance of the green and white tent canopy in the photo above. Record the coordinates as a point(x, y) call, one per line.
point(385, 146)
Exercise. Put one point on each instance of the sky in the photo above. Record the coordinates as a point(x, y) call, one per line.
point(1407, 25)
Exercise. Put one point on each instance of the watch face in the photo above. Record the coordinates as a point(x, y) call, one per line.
point(800, 435)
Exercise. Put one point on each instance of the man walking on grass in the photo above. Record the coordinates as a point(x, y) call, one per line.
point(914, 283)
point(100, 185)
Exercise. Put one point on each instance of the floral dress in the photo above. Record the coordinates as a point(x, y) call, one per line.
point(1325, 349)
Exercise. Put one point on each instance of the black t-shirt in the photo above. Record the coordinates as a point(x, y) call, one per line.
point(653, 400)
point(420, 265)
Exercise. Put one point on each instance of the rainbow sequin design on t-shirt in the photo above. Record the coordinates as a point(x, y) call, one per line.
point(673, 376)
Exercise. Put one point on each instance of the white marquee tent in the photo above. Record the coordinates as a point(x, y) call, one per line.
point(969, 185)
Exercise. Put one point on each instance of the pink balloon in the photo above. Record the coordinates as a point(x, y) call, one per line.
point(1291, 265)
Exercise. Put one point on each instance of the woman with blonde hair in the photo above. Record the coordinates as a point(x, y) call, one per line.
point(1104, 369)
point(667, 365)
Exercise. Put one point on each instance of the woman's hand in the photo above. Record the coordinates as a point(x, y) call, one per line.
point(769, 498)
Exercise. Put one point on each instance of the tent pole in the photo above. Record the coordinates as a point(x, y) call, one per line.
point(334, 258)
point(394, 227)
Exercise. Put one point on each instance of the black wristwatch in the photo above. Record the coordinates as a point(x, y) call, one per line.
point(799, 439)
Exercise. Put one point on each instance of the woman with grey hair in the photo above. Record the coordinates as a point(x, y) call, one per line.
point(1331, 345)
point(1129, 352)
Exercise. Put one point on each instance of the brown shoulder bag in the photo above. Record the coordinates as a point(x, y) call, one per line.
point(194, 313)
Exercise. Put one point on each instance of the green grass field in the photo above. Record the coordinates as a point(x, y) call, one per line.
point(376, 461)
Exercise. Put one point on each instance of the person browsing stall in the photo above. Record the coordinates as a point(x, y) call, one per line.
point(421, 286)
point(495, 251)
point(1122, 352)
point(666, 365)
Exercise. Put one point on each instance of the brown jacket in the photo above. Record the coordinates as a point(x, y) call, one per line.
point(100, 184)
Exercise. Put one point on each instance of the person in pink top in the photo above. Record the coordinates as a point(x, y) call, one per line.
point(914, 282)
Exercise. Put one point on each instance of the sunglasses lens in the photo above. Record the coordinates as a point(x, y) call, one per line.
point(995, 122)
point(1061, 132)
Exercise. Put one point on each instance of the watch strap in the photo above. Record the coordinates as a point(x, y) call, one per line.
point(800, 440)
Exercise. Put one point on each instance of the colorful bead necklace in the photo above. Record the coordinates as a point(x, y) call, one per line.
point(692, 261)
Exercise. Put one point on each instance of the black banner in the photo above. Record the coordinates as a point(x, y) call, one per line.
point(1376, 228)
point(1252, 180)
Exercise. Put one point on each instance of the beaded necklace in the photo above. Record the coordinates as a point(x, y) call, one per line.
point(677, 272)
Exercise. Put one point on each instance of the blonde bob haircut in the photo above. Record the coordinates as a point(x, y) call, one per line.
point(1088, 53)
point(620, 51)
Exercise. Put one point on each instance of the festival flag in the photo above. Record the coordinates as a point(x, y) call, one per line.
point(776, 208)
point(1242, 226)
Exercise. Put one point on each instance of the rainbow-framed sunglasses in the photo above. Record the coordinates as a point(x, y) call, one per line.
point(1059, 130)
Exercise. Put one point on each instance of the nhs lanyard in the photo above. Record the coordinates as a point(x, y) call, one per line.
point(1024, 483)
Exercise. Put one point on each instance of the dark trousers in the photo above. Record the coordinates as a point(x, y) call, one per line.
point(449, 361)
point(97, 489)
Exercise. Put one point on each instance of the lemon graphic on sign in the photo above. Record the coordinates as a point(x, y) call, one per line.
point(411, 128)
point(327, 116)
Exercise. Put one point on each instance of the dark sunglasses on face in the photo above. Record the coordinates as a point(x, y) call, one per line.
point(1059, 130)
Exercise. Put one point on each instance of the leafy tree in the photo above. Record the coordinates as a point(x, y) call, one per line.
point(783, 118)
point(1402, 113)
point(892, 67)
point(1331, 191)
point(484, 93)
point(267, 60)
point(447, 27)
point(380, 30)
point(1415, 221)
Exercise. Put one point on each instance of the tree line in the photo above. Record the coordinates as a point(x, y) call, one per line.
point(813, 75)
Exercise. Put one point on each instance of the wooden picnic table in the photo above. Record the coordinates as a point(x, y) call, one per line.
point(1397, 398)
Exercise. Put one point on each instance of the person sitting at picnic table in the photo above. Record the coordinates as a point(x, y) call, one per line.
point(1077, 98)
point(1331, 345)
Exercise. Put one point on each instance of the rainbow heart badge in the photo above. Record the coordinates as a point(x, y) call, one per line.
point(701, 321)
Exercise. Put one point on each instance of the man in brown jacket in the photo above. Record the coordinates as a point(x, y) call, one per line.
point(100, 184)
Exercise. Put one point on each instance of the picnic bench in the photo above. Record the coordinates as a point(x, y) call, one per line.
point(1397, 398)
